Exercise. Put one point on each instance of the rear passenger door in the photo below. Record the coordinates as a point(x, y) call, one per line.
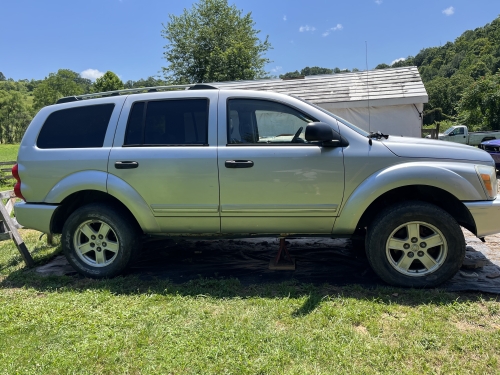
point(166, 149)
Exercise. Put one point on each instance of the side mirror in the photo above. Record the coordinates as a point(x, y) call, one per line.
point(319, 131)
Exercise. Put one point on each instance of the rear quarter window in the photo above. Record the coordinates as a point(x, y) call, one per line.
point(79, 127)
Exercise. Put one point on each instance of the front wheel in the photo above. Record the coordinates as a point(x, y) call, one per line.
point(415, 244)
point(100, 240)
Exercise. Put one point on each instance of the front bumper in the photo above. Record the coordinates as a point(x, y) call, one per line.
point(486, 214)
point(35, 216)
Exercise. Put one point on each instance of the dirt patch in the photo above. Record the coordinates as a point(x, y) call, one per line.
point(362, 330)
point(470, 326)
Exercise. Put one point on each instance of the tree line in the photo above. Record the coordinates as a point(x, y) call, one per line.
point(214, 41)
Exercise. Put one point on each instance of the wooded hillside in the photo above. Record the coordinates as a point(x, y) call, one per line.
point(461, 77)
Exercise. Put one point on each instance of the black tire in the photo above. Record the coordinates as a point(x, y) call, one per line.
point(123, 235)
point(428, 220)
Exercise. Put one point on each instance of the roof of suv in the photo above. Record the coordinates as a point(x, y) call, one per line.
point(196, 86)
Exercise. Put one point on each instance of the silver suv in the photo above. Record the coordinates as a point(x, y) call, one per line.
point(107, 169)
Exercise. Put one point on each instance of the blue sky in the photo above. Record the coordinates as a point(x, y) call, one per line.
point(91, 36)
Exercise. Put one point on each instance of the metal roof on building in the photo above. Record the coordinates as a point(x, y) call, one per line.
point(393, 86)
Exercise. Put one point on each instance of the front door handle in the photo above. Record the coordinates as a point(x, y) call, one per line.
point(239, 164)
point(126, 164)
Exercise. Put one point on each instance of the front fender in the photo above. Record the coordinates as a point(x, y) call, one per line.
point(459, 179)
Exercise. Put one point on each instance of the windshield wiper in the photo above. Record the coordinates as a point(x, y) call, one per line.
point(377, 135)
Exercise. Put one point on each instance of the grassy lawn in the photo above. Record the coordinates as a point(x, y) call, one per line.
point(8, 152)
point(54, 325)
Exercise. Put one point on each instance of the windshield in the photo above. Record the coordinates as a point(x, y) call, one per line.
point(448, 131)
point(340, 119)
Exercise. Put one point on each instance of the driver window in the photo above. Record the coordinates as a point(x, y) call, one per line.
point(459, 131)
point(261, 121)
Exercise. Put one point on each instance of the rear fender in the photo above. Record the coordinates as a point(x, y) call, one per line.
point(134, 202)
point(84, 180)
point(101, 181)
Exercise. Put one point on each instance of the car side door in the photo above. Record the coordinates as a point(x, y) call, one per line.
point(271, 179)
point(165, 148)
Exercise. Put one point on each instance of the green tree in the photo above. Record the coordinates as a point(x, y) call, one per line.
point(479, 106)
point(315, 70)
point(409, 61)
point(57, 85)
point(213, 42)
point(2, 77)
point(438, 90)
point(148, 82)
point(291, 75)
point(15, 116)
point(108, 82)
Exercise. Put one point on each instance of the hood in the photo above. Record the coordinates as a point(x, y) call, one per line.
point(493, 142)
point(434, 149)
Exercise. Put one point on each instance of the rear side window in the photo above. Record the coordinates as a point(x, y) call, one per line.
point(79, 127)
point(168, 123)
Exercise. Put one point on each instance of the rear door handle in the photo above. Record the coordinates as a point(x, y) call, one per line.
point(126, 164)
point(239, 164)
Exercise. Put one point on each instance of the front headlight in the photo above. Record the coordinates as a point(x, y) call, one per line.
point(488, 177)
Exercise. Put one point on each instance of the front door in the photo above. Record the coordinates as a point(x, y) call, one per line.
point(271, 179)
point(166, 149)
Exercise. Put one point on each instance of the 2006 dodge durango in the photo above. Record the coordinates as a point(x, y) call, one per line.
point(106, 171)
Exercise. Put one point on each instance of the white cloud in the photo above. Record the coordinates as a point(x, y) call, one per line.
point(449, 11)
point(91, 74)
point(378, 2)
point(306, 28)
point(284, 17)
point(336, 28)
point(400, 59)
point(276, 69)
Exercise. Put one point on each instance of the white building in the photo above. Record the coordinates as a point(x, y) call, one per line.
point(386, 100)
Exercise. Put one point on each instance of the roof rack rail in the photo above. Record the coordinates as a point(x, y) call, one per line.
point(195, 86)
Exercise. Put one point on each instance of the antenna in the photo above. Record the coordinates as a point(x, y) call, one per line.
point(367, 86)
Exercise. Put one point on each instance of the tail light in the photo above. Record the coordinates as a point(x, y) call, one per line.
point(17, 186)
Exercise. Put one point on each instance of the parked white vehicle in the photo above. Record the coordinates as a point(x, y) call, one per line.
point(460, 134)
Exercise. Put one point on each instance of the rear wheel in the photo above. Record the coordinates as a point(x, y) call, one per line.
point(100, 240)
point(415, 244)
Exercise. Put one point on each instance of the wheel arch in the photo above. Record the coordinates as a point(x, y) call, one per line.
point(83, 197)
point(429, 194)
point(79, 199)
point(447, 186)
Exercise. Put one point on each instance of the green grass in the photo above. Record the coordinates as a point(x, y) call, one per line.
point(59, 325)
point(8, 152)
